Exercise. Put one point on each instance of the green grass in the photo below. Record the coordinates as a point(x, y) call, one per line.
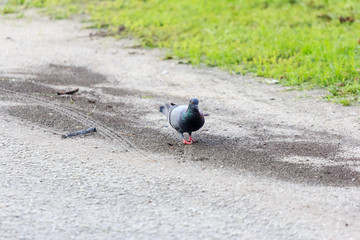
point(298, 42)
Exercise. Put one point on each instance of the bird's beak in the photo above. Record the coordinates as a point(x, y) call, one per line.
point(196, 106)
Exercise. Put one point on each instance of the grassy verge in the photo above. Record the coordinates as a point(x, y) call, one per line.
point(299, 42)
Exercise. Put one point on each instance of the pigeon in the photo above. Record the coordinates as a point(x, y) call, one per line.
point(184, 118)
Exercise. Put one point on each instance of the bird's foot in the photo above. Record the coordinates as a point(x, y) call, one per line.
point(192, 140)
point(187, 142)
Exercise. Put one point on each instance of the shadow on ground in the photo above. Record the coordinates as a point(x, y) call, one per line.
point(262, 153)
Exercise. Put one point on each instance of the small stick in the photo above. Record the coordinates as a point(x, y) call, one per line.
point(89, 130)
point(90, 113)
point(127, 134)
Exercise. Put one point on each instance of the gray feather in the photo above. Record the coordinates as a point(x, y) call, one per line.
point(174, 115)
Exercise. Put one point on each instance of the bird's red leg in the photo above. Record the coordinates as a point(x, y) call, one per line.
point(191, 140)
point(183, 139)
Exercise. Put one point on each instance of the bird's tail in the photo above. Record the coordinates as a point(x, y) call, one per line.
point(162, 109)
point(165, 109)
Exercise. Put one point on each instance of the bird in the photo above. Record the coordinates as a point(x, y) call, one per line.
point(184, 118)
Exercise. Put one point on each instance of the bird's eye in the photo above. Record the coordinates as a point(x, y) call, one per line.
point(191, 102)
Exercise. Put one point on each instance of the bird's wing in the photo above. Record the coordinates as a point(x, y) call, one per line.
point(174, 115)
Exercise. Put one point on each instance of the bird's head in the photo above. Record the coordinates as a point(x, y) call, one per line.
point(194, 103)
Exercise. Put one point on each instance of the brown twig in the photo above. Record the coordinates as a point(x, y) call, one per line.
point(127, 134)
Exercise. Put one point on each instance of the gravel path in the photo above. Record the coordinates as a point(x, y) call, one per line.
point(270, 164)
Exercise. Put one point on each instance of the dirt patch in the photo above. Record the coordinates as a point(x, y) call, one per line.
point(68, 75)
point(262, 152)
